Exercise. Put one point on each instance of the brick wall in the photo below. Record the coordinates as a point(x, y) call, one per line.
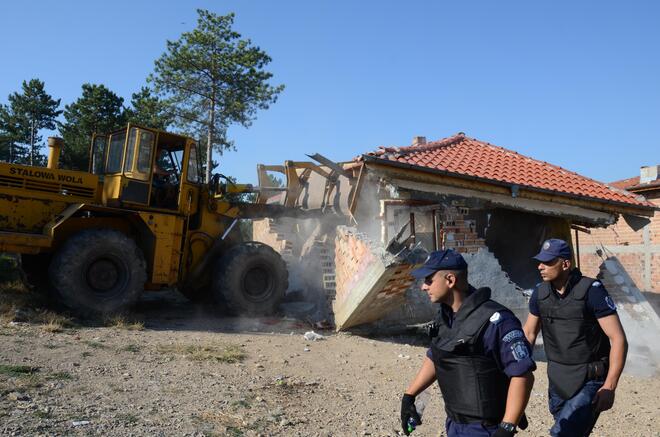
point(269, 232)
point(456, 229)
point(638, 251)
point(369, 282)
point(460, 233)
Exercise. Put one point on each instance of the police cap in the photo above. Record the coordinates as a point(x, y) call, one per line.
point(447, 259)
point(553, 248)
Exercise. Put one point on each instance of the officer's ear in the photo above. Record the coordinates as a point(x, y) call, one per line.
point(566, 264)
point(451, 279)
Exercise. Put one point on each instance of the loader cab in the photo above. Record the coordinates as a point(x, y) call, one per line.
point(144, 168)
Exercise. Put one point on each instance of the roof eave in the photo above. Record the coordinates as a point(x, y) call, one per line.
point(640, 209)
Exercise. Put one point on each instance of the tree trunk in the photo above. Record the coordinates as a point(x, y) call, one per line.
point(32, 142)
point(209, 141)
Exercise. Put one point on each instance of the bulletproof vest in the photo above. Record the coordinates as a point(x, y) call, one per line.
point(571, 335)
point(472, 385)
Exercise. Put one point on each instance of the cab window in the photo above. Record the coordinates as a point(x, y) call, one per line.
point(128, 162)
point(115, 151)
point(98, 153)
point(193, 166)
point(144, 151)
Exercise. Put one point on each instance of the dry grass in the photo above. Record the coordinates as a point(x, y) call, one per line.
point(20, 304)
point(134, 348)
point(120, 322)
point(195, 352)
point(17, 370)
point(14, 297)
point(29, 381)
point(221, 418)
point(53, 322)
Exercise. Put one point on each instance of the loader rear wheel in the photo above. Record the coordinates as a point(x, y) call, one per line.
point(98, 272)
point(251, 278)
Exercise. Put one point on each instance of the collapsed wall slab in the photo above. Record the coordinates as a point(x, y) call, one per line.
point(640, 321)
point(370, 282)
point(484, 270)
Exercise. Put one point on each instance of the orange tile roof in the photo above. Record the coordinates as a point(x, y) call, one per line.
point(625, 183)
point(633, 185)
point(461, 155)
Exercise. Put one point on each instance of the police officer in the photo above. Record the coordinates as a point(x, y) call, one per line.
point(478, 355)
point(583, 340)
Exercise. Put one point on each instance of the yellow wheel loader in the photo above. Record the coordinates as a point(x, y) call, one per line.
point(140, 218)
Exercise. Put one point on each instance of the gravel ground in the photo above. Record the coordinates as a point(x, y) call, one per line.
point(183, 371)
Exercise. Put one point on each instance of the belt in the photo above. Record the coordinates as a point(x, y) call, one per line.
point(463, 419)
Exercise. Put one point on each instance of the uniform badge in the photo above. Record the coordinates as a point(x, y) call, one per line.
point(495, 318)
point(519, 350)
point(610, 303)
point(513, 335)
point(596, 284)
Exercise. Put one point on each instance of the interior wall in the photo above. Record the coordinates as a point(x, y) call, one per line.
point(515, 237)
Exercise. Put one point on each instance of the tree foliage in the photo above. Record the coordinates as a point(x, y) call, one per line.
point(11, 150)
point(148, 110)
point(98, 110)
point(28, 112)
point(213, 78)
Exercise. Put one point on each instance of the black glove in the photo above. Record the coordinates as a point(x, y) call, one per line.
point(523, 423)
point(408, 411)
point(501, 432)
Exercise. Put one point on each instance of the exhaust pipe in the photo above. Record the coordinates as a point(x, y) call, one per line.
point(55, 144)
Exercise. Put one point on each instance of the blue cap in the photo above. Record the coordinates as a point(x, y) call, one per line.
point(447, 259)
point(553, 248)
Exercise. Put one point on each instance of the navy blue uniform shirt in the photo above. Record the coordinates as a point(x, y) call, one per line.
point(503, 340)
point(598, 300)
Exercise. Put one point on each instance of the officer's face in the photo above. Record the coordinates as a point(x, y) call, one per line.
point(554, 269)
point(437, 286)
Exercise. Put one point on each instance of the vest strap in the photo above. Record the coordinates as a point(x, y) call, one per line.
point(579, 291)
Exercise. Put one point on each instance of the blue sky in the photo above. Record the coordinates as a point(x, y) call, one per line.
point(573, 83)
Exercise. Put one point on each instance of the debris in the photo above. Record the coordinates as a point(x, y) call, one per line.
point(80, 422)
point(313, 336)
point(405, 357)
point(324, 325)
point(306, 349)
point(16, 396)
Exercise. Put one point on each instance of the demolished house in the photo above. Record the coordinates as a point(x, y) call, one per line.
point(635, 242)
point(491, 204)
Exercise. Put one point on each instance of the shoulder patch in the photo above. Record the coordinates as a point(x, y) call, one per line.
point(596, 284)
point(495, 318)
point(519, 350)
point(513, 335)
point(610, 303)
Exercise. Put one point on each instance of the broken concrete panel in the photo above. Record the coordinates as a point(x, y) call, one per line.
point(370, 281)
point(640, 321)
point(483, 271)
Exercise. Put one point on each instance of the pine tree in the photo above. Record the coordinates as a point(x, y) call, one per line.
point(98, 110)
point(212, 78)
point(148, 110)
point(30, 111)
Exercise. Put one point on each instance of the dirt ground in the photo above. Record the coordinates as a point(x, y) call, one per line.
point(177, 370)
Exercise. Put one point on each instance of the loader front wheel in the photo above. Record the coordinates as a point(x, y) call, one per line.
point(251, 278)
point(98, 272)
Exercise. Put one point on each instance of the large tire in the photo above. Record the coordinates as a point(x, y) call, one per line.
point(98, 272)
point(251, 278)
